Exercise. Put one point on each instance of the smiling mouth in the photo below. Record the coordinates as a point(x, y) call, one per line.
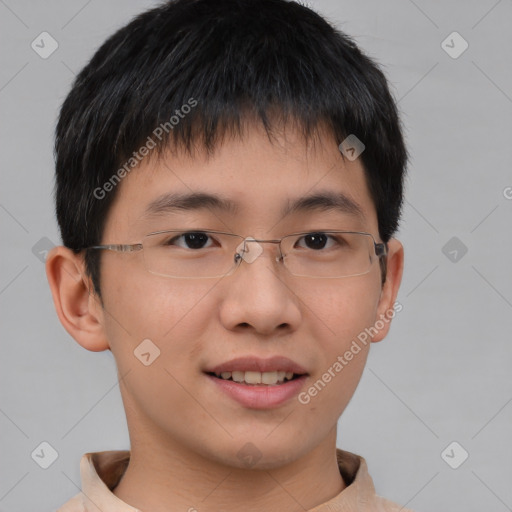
point(253, 378)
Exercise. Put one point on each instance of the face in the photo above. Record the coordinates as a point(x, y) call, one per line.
point(261, 313)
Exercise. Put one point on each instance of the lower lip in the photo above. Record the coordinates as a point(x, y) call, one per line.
point(260, 397)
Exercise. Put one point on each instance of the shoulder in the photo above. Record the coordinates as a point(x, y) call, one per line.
point(75, 504)
point(360, 491)
point(389, 506)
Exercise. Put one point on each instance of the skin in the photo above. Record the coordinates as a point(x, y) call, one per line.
point(185, 434)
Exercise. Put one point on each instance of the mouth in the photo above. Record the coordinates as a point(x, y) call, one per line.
point(254, 378)
point(257, 383)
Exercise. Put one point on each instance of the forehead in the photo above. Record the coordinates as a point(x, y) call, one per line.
point(246, 179)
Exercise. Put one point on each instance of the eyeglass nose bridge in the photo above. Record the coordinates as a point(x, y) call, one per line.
point(249, 255)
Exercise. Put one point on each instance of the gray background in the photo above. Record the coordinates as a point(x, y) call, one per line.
point(443, 373)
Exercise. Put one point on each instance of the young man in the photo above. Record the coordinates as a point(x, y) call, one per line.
point(229, 178)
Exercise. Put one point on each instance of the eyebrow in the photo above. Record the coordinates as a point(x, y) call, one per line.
point(175, 202)
point(320, 201)
point(325, 201)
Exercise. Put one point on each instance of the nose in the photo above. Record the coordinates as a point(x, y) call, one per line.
point(259, 296)
point(250, 249)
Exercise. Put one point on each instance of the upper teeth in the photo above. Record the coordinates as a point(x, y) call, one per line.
point(257, 377)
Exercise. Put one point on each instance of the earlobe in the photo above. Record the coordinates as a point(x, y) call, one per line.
point(77, 307)
point(386, 308)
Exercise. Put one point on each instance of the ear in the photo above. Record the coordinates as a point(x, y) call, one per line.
point(394, 270)
point(78, 307)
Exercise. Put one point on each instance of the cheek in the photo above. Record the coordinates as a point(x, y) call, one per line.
point(340, 313)
point(174, 318)
point(336, 317)
point(149, 306)
point(172, 315)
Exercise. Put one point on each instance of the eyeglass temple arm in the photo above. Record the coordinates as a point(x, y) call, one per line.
point(119, 247)
point(381, 249)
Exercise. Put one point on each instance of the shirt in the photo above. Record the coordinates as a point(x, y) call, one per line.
point(100, 472)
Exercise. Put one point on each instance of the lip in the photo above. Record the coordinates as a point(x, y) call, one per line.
point(258, 396)
point(256, 364)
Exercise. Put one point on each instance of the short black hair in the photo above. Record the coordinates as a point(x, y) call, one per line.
point(226, 61)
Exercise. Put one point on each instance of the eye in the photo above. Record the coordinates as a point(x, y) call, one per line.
point(316, 241)
point(191, 240)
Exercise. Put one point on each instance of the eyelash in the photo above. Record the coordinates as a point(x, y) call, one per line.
point(170, 241)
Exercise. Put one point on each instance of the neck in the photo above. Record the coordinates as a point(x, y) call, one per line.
point(162, 474)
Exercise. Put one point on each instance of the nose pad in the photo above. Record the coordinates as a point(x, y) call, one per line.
point(249, 251)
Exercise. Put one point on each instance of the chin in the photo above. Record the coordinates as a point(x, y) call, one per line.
point(258, 455)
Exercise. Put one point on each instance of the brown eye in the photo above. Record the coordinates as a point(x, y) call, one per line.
point(191, 240)
point(316, 240)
